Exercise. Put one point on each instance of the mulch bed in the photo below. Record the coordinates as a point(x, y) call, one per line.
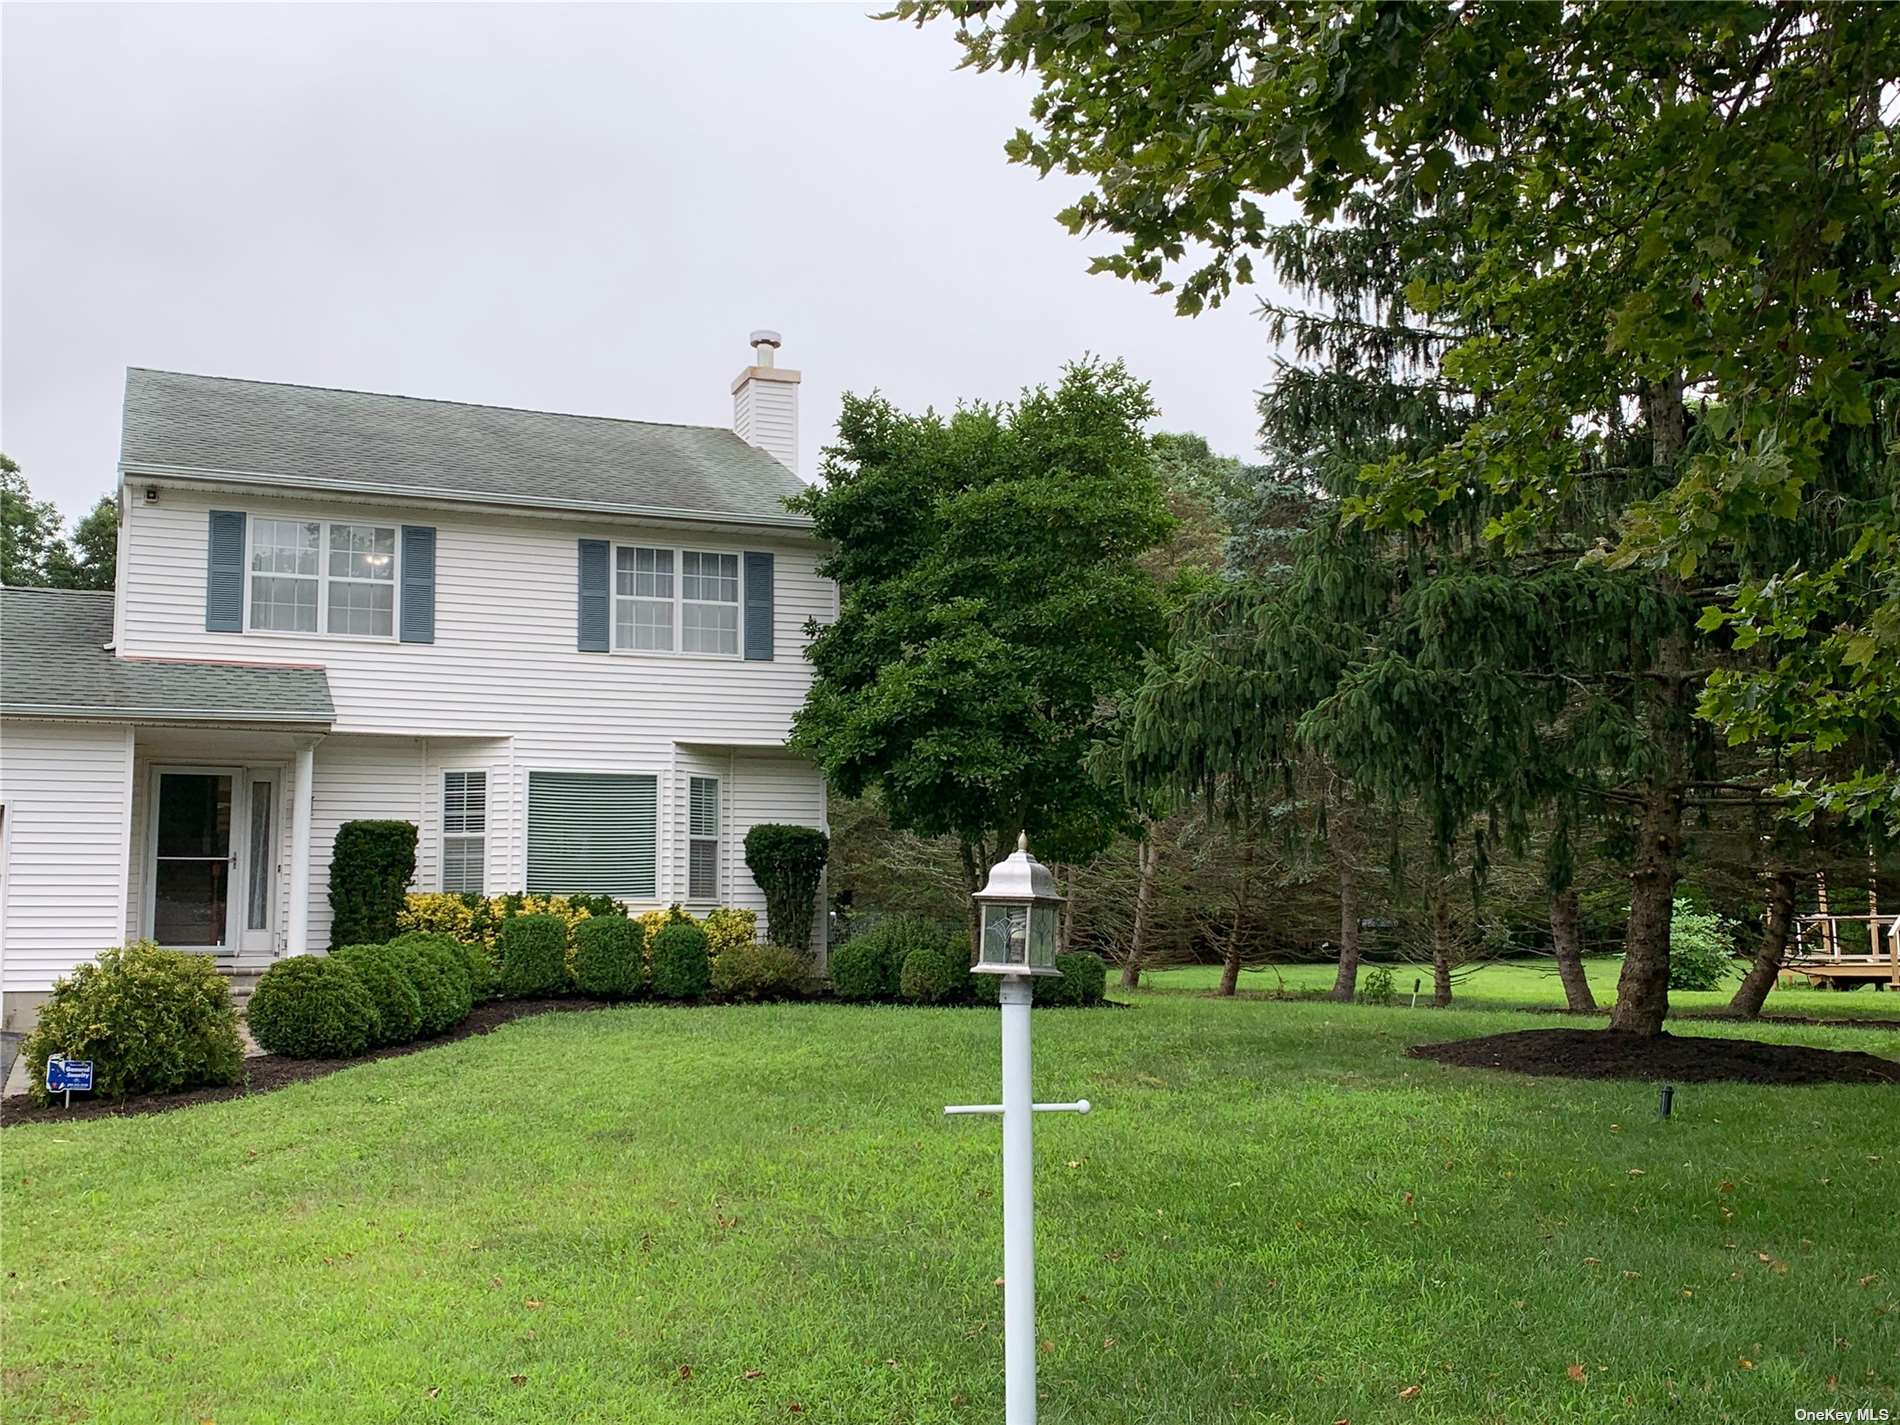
point(265, 1072)
point(1605, 1054)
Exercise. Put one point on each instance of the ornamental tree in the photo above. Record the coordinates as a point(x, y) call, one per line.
point(992, 602)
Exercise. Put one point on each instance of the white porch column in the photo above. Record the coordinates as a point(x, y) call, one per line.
point(297, 932)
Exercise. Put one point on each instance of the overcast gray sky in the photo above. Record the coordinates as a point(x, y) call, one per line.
point(574, 208)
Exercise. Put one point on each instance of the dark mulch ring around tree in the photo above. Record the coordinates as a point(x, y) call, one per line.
point(1605, 1054)
point(265, 1072)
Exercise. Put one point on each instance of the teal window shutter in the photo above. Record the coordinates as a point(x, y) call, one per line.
point(758, 606)
point(224, 573)
point(593, 833)
point(418, 583)
point(596, 596)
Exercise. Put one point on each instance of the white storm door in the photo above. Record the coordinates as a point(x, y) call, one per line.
point(191, 905)
point(257, 869)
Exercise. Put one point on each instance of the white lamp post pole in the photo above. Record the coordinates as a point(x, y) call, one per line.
point(1019, 1210)
point(1019, 906)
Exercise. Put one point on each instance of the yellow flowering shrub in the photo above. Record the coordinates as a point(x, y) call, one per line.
point(479, 920)
point(729, 927)
point(654, 921)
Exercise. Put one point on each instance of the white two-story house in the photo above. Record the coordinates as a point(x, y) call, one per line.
point(568, 648)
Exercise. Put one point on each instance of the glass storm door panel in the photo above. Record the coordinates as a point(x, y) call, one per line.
point(192, 859)
point(259, 863)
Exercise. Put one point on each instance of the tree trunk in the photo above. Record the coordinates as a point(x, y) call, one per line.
point(1346, 985)
point(1230, 968)
point(1441, 948)
point(1642, 990)
point(1774, 944)
point(1566, 938)
point(974, 871)
point(1145, 858)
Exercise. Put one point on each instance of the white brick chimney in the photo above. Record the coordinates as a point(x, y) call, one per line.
point(765, 402)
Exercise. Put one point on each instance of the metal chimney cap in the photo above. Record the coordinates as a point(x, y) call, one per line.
point(765, 337)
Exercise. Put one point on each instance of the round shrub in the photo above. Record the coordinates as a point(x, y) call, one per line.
point(150, 1020)
point(932, 974)
point(477, 960)
point(760, 972)
point(1701, 949)
point(681, 967)
point(398, 1004)
point(870, 965)
point(533, 956)
point(609, 957)
point(312, 1007)
point(1084, 980)
point(441, 980)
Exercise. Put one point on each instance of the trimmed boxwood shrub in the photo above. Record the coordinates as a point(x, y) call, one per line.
point(435, 967)
point(478, 961)
point(150, 1020)
point(760, 972)
point(533, 956)
point(933, 974)
point(788, 862)
point(384, 975)
point(610, 957)
point(312, 1007)
point(1084, 981)
point(681, 967)
point(371, 866)
point(870, 965)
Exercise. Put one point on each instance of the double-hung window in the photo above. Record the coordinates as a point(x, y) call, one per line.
point(321, 576)
point(702, 839)
point(464, 831)
point(676, 600)
point(643, 599)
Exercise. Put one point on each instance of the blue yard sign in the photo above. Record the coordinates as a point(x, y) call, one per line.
point(67, 1075)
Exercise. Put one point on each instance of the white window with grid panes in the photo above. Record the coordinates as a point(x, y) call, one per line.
point(322, 576)
point(676, 601)
point(702, 839)
point(464, 831)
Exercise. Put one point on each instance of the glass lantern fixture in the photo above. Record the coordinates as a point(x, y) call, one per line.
point(1020, 908)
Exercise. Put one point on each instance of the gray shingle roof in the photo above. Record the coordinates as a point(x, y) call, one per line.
point(53, 663)
point(309, 436)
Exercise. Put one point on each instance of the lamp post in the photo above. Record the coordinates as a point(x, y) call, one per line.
point(1019, 907)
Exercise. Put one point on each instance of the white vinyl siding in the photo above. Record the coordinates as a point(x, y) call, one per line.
point(464, 831)
point(593, 833)
point(702, 839)
point(321, 576)
point(67, 791)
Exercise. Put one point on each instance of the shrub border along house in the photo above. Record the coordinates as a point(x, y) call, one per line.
point(381, 995)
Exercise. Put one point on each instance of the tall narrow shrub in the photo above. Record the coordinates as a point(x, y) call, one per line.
point(788, 863)
point(371, 866)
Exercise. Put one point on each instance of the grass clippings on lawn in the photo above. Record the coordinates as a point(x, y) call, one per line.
point(1606, 1054)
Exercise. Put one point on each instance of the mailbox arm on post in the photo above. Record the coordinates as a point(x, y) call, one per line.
point(1081, 1105)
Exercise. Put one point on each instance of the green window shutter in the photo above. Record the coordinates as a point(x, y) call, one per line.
point(224, 573)
point(593, 832)
point(418, 583)
point(758, 606)
point(596, 596)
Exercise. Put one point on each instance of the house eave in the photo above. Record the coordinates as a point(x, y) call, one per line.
point(209, 717)
point(133, 469)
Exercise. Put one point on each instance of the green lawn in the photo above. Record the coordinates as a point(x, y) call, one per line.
point(1529, 984)
point(760, 1214)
